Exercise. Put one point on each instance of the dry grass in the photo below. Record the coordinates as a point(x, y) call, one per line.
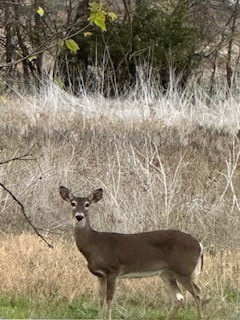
point(166, 163)
point(28, 267)
point(155, 172)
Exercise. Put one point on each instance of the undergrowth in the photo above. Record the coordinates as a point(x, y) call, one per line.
point(163, 161)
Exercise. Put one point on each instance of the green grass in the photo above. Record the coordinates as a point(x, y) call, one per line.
point(137, 306)
point(82, 308)
point(25, 307)
point(17, 307)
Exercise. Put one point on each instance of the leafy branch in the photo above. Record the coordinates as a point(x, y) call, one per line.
point(99, 15)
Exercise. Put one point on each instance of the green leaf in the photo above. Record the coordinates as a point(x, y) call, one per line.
point(99, 19)
point(40, 11)
point(72, 45)
point(31, 58)
point(112, 15)
point(98, 15)
point(87, 34)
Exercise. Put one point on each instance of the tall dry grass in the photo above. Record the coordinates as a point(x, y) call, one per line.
point(166, 162)
point(175, 165)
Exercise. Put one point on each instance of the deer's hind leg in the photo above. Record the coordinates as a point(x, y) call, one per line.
point(174, 291)
point(188, 283)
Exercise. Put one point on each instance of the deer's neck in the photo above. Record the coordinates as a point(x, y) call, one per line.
point(83, 238)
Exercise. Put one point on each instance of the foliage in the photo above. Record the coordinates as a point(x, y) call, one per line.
point(98, 15)
point(72, 45)
point(164, 39)
point(40, 11)
point(116, 38)
point(30, 306)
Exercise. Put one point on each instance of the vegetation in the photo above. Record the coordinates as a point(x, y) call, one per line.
point(101, 46)
point(139, 98)
point(171, 162)
point(38, 282)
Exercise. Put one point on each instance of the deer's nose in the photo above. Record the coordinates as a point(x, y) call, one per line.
point(79, 216)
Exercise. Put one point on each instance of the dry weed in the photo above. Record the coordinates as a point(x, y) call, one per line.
point(162, 164)
point(27, 266)
point(183, 176)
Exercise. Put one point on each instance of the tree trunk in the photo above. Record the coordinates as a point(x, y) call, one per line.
point(82, 11)
point(38, 39)
point(8, 28)
point(26, 63)
point(229, 70)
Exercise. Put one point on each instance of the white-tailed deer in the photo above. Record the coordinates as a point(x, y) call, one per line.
point(173, 255)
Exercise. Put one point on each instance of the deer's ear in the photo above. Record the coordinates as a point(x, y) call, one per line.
point(66, 194)
point(96, 195)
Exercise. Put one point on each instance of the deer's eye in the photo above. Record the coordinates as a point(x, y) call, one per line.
point(87, 205)
point(73, 204)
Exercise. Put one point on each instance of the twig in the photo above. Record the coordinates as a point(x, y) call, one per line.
point(21, 157)
point(45, 46)
point(25, 215)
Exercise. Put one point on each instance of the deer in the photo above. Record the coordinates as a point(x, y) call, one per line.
point(175, 256)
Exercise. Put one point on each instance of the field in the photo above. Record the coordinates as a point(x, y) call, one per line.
point(38, 282)
point(166, 162)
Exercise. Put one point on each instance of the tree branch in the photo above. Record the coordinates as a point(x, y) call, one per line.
point(25, 215)
point(22, 157)
point(44, 46)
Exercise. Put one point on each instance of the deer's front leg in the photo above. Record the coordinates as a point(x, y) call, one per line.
point(111, 284)
point(102, 296)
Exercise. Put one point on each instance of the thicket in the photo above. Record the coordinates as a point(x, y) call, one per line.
point(164, 40)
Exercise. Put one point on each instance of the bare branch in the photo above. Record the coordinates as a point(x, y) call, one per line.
point(21, 157)
point(25, 215)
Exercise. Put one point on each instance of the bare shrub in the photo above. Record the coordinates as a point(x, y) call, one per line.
point(164, 171)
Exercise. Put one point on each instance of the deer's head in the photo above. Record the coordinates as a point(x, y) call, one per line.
point(80, 205)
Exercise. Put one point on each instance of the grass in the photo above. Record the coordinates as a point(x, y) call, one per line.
point(38, 282)
point(165, 162)
point(19, 307)
point(25, 308)
point(29, 307)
